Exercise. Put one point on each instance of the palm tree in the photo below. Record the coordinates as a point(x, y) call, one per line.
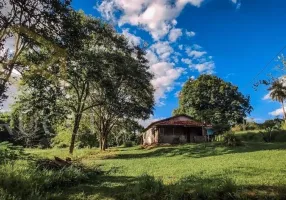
point(278, 93)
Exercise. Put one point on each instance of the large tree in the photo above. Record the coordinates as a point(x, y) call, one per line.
point(127, 93)
point(102, 72)
point(278, 93)
point(30, 24)
point(213, 100)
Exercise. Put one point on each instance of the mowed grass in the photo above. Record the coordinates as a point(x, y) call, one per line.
point(258, 168)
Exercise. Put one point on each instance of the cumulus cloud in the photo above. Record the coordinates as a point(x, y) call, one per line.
point(237, 3)
point(206, 67)
point(190, 33)
point(175, 33)
point(162, 49)
point(277, 112)
point(155, 16)
point(165, 75)
point(133, 39)
point(151, 57)
point(158, 18)
point(195, 53)
point(186, 61)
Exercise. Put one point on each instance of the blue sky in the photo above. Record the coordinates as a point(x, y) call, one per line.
point(233, 39)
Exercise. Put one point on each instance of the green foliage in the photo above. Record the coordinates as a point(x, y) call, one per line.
point(272, 123)
point(87, 139)
point(84, 139)
point(283, 126)
point(62, 138)
point(9, 152)
point(230, 139)
point(211, 99)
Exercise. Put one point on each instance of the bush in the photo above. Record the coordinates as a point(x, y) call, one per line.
point(237, 128)
point(9, 152)
point(128, 144)
point(87, 139)
point(229, 139)
point(62, 139)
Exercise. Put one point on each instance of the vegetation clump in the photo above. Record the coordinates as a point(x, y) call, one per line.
point(230, 139)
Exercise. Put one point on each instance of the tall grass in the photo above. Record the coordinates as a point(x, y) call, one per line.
point(21, 177)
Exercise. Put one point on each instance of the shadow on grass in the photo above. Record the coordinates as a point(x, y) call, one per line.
point(192, 187)
point(200, 150)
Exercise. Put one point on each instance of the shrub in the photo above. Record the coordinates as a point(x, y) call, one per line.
point(229, 139)
point(237, 128)
point(9, 152)
point(62, 139)
point(283, 126)
point(128, 144)
point(87, 139)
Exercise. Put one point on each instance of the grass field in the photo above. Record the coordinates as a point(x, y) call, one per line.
point(257, 169)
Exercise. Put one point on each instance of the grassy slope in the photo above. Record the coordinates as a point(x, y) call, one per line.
point(258, 166)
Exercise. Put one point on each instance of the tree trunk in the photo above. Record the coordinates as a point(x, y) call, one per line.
point(75, 130)
point(282, 102)
point(103, 142)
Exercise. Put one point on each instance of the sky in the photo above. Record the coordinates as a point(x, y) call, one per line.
point(232, 39)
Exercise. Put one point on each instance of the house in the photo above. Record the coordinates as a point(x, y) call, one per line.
point(177, 129)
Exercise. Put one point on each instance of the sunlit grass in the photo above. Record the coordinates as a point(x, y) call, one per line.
point(253, 165)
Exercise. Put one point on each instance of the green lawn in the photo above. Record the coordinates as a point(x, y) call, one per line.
point(257, 168)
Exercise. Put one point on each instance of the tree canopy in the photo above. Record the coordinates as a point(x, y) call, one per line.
point(104, 76)
point(213, 100)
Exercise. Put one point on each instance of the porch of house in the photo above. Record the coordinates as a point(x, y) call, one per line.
point(179, 134)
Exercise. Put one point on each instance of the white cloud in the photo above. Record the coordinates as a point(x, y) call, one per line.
point(190, 33)
point(195, 53)
point(133, 39)
point(155, 16)
point(267, 96)
point(186, 61)
point(253, 119)
point(147, 122)
point(207, 67)
point(237, 3)
point(175, 33)
point(163, 50)
point(151, 57)
point(181, 47)
point(165, 76)
point(177, 94)
point(277, 112)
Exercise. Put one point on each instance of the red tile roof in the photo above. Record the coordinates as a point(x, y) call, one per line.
point(173, 121)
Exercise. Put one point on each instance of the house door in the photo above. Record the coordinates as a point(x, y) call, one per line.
point(187, 133)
